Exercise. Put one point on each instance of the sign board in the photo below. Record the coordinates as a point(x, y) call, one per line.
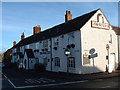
point(99, 25)
point(93, 55)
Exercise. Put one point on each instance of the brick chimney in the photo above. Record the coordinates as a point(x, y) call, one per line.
point(14, 43)
point(68, 16)
point(22, 36)
point(36, 29)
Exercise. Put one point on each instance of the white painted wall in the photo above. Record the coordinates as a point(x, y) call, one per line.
point(76, 52)
point(97, 39)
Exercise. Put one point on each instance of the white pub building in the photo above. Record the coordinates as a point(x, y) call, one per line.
point(86, 44)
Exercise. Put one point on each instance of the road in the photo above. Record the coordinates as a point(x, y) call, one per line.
point(17, 79)
point(99, 83)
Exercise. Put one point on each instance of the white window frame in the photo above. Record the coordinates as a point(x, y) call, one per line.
point(71, 62)
point(57, 61)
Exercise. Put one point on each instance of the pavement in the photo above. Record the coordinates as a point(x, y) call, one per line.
point(75, 77)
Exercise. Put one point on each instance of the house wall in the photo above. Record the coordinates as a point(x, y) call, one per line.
point(84, 39)
point(14, 57)
point(97, 39)
point(32, 63)
point(75, 52)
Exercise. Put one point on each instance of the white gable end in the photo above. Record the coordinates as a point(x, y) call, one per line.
point(98, 21)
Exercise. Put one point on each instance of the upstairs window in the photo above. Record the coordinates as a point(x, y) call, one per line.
point(110, 38)
point(56, 41)
point(27, 46)
point(37, 45)
point(45, 43)
point(71, 38)
point(100, 18)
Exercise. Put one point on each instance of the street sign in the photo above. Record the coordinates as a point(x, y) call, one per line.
point(93, 56)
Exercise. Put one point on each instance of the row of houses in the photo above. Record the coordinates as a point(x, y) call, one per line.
point(86, 44)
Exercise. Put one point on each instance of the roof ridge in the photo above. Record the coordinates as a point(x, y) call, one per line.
point(61, 29)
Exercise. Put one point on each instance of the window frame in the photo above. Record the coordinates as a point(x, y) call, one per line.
point(57, 61)
point(45, 43)
point(71, 62)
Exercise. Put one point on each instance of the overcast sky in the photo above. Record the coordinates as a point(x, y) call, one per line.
point(23, 16)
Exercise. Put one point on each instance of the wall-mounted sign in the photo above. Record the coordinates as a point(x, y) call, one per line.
point(76, 50)
point(99, 25)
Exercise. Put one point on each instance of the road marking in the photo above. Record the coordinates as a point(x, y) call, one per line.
point(52, 84)
point(9, 81)
point(64, 83)
point(99, 80)
point(106, 87)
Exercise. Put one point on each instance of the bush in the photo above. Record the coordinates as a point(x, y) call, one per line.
point(40, 67)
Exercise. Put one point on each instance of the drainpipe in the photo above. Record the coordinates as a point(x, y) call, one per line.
point(118, 49)
point(51, 52)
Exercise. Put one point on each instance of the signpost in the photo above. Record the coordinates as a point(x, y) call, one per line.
point(92, 51)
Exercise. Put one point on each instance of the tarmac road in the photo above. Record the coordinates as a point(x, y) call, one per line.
point(99, 83)
point(19, 79)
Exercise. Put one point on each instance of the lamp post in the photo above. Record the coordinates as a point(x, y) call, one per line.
point(67, 53)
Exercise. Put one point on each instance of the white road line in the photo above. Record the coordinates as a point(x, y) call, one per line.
point(106, 87)
point(9, 81)
point(44, 84)
point(52, 84)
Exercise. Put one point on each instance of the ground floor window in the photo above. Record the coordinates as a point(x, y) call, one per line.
point(71, 62)
point(57, 61)
point(86, 60)
point(45, 61)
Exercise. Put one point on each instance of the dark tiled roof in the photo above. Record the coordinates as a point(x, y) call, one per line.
point(116, 29)
point(72, 25)
point(29, 53)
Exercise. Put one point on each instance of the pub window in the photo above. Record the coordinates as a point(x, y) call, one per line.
point(27, 46)
point(100, 18)
point(45, 43)
point(56, 41)
point(86, 60)
point(45, 61)
point(71, 62)
point(110, 38)
point(71, 37)
point(15, 49)
point(37, 45)
point(57, 61)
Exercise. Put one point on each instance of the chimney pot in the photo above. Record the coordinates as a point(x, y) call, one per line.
point(22, 36)
point(68, 16)
point(14, 43)
point(36, 29)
